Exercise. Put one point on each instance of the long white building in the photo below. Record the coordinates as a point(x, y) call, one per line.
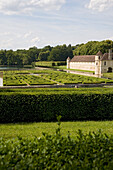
point(100, 63)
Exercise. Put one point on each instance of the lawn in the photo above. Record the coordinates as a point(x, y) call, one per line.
point(30, 130)
point(65, 68)
point(108, 75)
point(60, 91)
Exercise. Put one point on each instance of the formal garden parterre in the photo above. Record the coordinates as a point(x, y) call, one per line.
point(45, 77)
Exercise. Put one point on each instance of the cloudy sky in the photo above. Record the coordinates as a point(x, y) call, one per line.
point(28, 23)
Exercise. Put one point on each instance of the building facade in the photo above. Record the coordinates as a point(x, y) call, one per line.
point(100, 63)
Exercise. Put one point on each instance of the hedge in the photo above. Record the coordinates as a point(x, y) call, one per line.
point(91, 151)
point(42, 107)
point(50, 63)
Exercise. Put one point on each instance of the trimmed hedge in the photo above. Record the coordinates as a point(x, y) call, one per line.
point(42, 107)
point(50, 63)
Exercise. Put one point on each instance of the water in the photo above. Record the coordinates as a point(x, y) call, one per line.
point(6, 68)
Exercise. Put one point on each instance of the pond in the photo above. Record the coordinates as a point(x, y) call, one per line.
point(7, 68)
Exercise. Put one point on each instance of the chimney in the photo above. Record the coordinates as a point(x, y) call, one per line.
point(110, 54)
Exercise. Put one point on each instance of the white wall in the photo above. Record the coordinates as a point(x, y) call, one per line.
point(1, 82)
point(83, 65)
point(1, 79)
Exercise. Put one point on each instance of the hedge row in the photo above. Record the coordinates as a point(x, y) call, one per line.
point(92, 151)
point(50, 63)
point(35, 108)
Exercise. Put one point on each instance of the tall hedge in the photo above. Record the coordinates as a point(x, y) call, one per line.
point(50, 63)
point(72, 107)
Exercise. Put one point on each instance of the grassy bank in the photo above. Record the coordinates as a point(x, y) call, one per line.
point(50, 91)
point(108, 75)
point(88, 151)
point(9, 131)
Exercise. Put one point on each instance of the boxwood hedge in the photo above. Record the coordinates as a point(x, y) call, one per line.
point(44, 107)
point(91, 151)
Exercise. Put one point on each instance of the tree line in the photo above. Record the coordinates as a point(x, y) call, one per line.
point(22, 57)
point(26, 57)
point(93, 47)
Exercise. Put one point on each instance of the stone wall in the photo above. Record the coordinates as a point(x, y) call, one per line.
point(105, 65)
point(83, 65)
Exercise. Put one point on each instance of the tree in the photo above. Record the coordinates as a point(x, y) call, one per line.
point(43, 56)
point(46, 48)
point(33, 54)
point(3, 59)
point(60, 53)
point(10, 57)
point(92, 47)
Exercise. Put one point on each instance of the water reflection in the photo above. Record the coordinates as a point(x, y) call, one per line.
point(7, 68)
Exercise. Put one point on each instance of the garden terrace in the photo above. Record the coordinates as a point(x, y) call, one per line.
point(45, 77)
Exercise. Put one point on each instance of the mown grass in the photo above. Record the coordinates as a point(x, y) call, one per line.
point(29, 130)
point(88, 71)
point(65, 68)
point(50, 91)
point(108, 75)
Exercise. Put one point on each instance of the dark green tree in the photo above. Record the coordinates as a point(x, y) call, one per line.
point(43, 56)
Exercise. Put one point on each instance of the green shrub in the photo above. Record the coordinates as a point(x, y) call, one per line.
point(31, 107)
point(90, 151)
point(44, 63)
point(50, 63)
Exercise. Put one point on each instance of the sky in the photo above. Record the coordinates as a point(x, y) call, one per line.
point(28, 23)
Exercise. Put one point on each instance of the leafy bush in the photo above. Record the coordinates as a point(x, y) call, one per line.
point(90, 151)
point(50, 63)
point(45, 63)
point(43, 106)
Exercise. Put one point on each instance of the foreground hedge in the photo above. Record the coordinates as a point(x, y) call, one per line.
point(91, 151)
point(42, 107)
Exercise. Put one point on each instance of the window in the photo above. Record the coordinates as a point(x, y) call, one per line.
point(104, 63)
point(96, 63)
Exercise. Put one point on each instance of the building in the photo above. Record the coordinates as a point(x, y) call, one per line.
point(100, 63)
point(1, 79)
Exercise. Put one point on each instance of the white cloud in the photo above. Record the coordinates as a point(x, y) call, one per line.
point(100, 5)
point(35, 41)
point(6, 42)
point(48, 4)
point(28, 34)
point(10, 7)
point(12, 40)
